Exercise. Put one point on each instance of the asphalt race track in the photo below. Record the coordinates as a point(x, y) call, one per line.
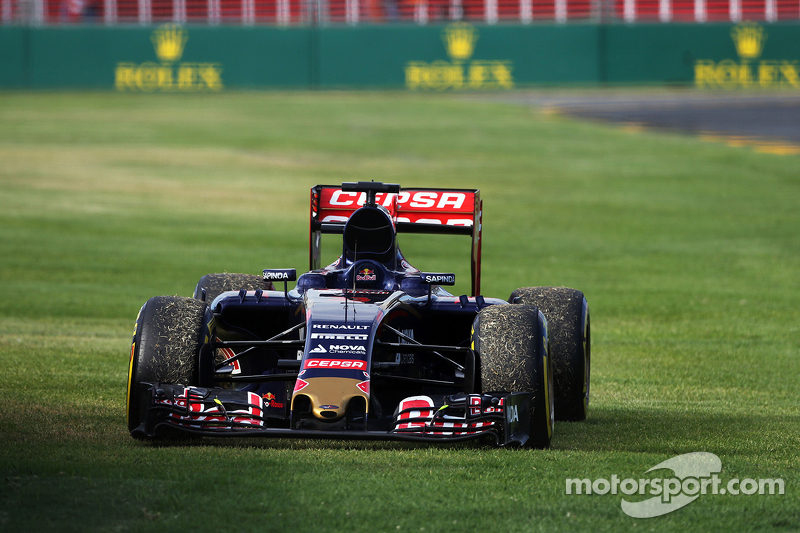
point(757, 118)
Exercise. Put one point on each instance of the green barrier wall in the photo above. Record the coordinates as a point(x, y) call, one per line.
point(171, 58)
point(14, 57)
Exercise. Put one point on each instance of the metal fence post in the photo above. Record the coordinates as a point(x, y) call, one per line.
point(664, 10)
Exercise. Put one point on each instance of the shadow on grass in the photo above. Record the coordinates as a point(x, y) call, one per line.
point(644, 430)
point(311, 444)
point(649, 430)
point(638, 430)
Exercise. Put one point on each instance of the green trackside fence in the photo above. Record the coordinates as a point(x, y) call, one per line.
point(457, 56)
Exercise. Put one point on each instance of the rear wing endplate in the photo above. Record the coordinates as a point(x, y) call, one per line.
point(417, 210)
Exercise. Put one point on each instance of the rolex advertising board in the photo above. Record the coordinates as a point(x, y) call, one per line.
point(167, 58)
point(488, 59)
point(457, 56)
point(758, 62)
point(461, 71)
point(169, 73)
point(717, 56)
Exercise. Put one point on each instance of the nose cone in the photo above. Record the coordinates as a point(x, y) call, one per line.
point(329, 397)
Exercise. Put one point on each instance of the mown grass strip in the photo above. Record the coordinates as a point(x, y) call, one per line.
point(687, 252)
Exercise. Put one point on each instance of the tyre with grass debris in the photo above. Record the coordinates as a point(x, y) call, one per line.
point(567, 314)
point(511, 344)
point(212, 285)
point(166, 340)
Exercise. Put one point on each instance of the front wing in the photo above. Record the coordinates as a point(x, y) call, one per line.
point(215, 412)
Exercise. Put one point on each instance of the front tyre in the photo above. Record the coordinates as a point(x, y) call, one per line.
point(567, 314)
point(511, 343)
point(166, 340)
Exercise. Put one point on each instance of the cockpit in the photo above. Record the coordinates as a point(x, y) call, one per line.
point(370, 258)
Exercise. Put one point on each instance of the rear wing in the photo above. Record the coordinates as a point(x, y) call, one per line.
point(417, 210)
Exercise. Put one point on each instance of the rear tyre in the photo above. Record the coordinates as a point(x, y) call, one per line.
point(511, 344)
point(216, 284)
point(166, 339)
point(567, 316)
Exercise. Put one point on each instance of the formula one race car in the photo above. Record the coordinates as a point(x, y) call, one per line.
point(368, 347)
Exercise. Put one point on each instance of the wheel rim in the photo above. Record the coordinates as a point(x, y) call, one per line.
point(131, 369)
point(587, 362)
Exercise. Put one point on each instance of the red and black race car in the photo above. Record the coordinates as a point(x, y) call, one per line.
point(367, 347)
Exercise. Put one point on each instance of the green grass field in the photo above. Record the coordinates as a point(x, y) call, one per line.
point(688, 252)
